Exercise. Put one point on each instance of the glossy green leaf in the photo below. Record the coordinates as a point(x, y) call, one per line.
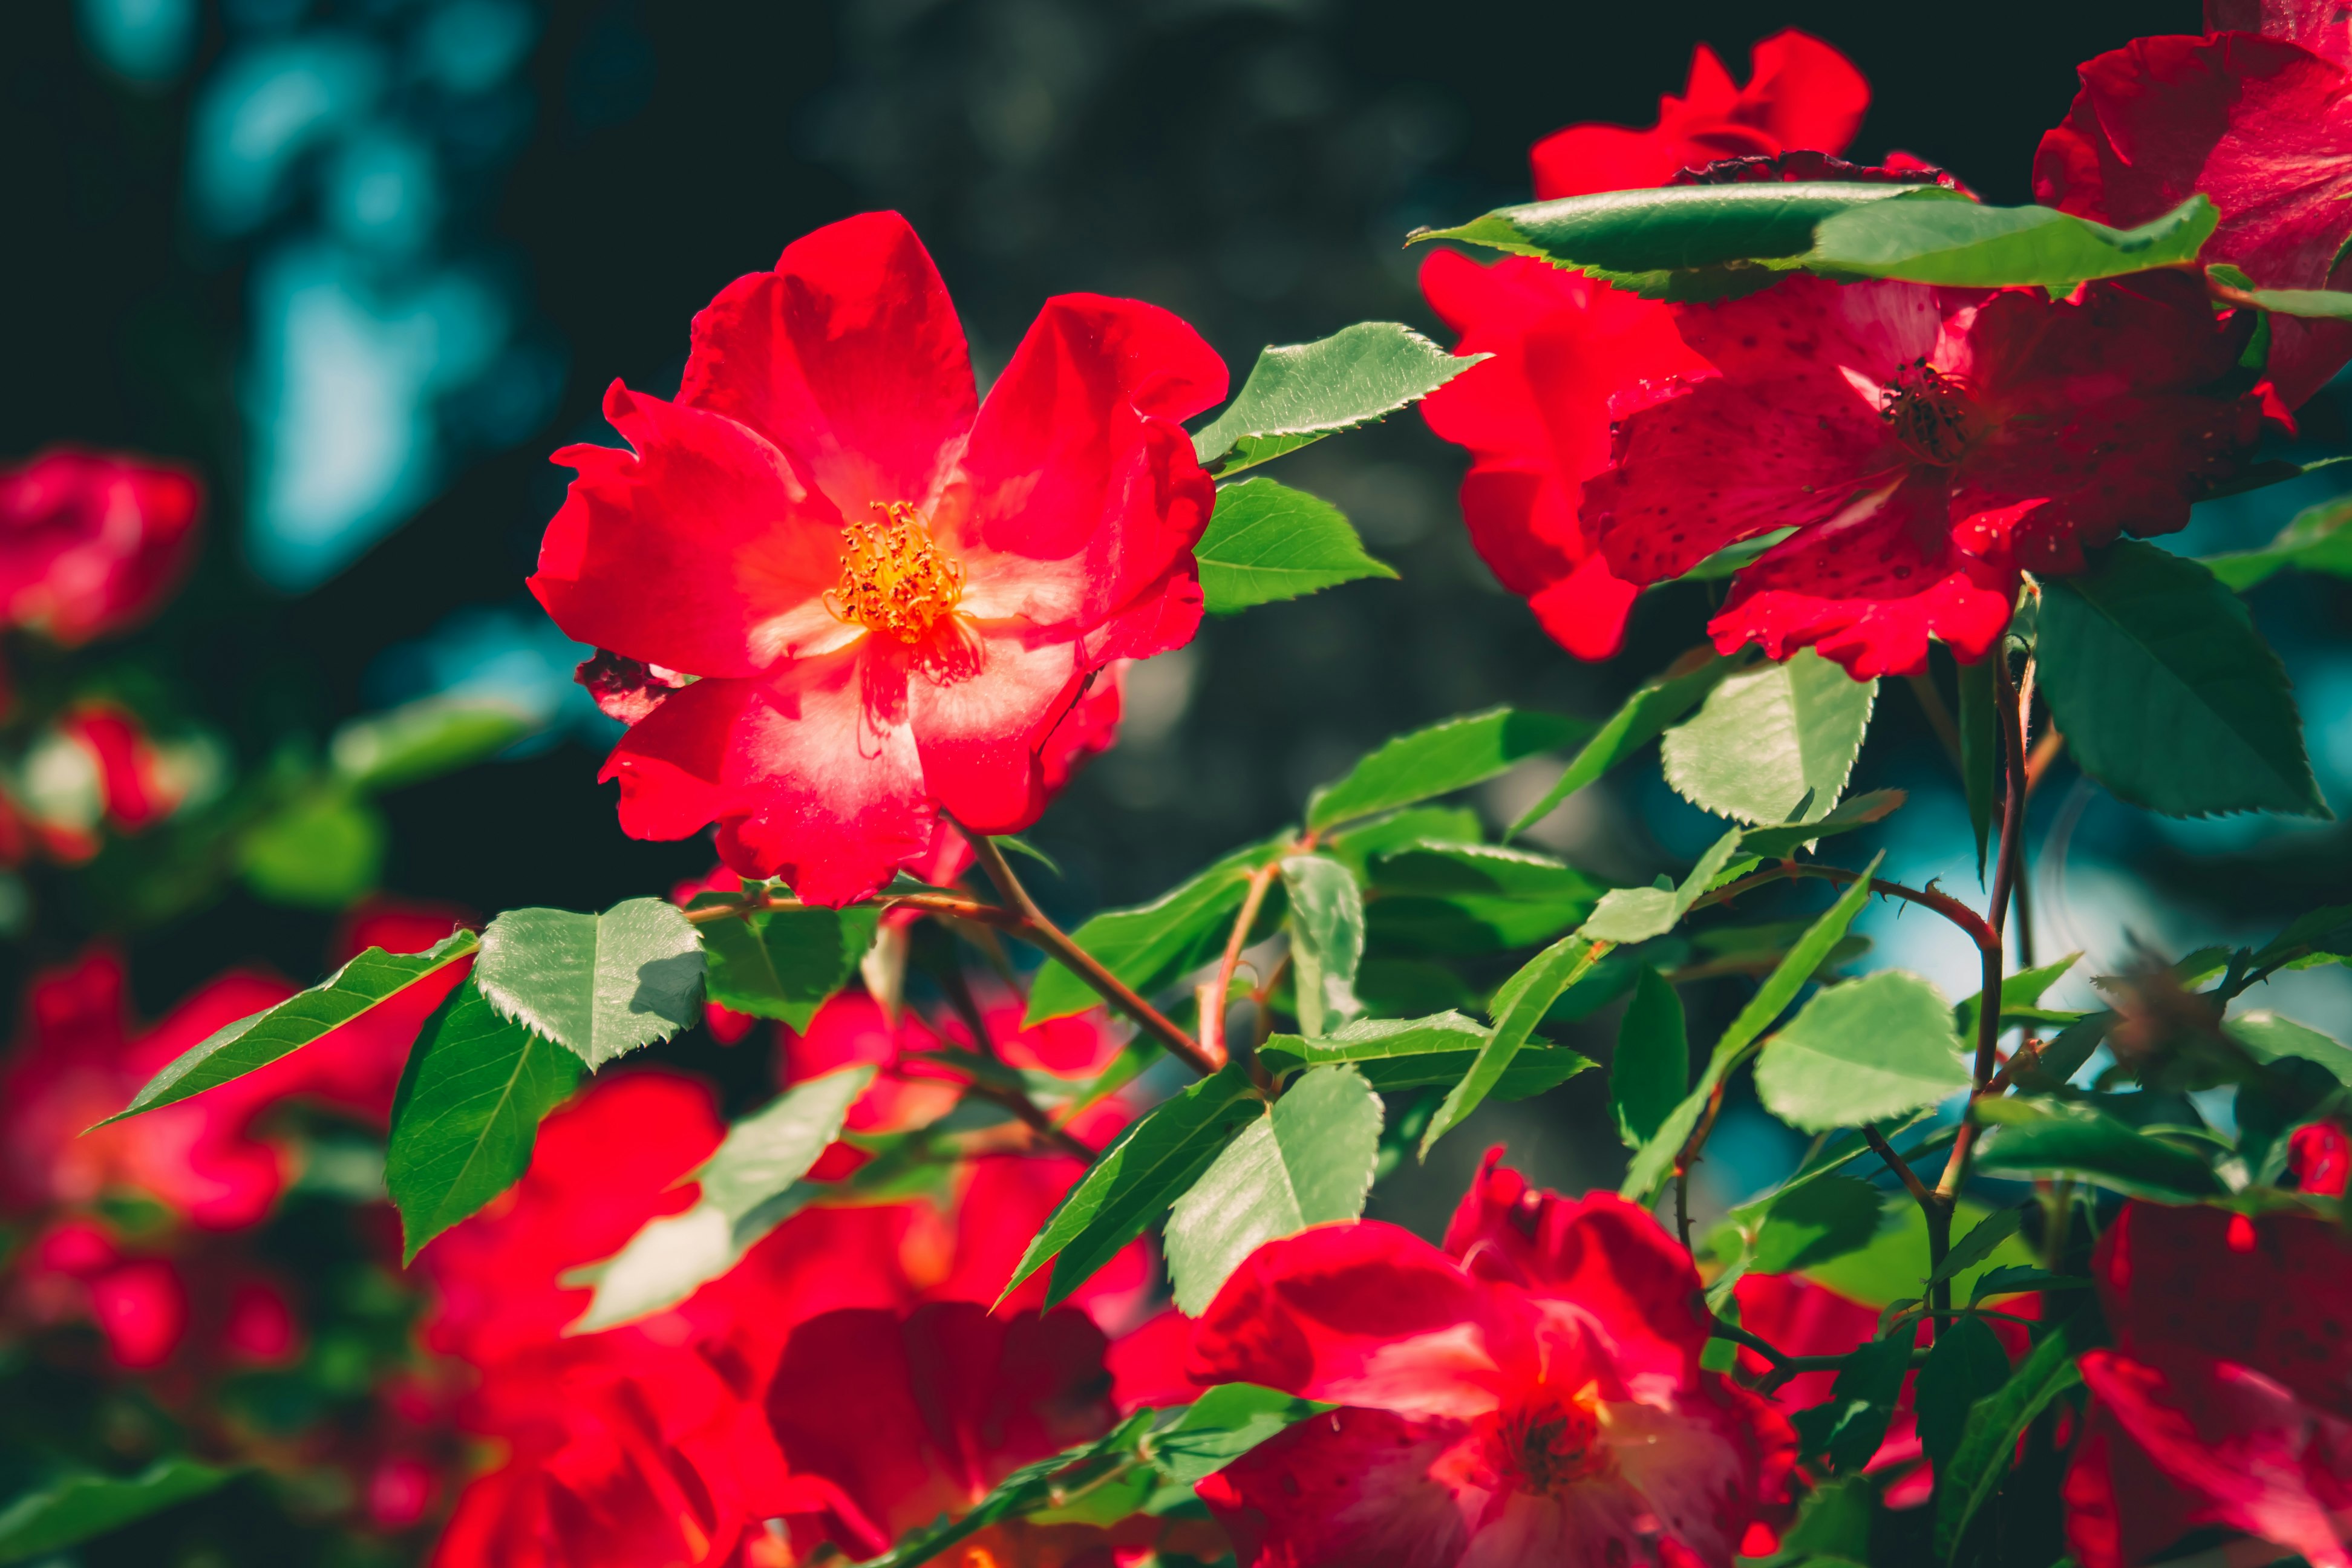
point(1357, 846)
point(1650, 1072)
point(1326, 939)
point(468, 1114)
point(72, 1509)
point(1464, 898)
point(321, 851)
point(2272, 1037)
point(1822, 1219)
point(2021, 997)
point(1266, 542)
point(1417, 1052)
point(1654, 1162)
point(600, 986)
point(1303, 392)
point(1966, 1364)
point(1772, 740)
point(1149, 945)
point(1639, 720)
point(234, 1049)
point(1860, 811)
point(2319, 936)
point(748, 1189)
point(1149, 1166)
point(2316, 540)
point(1440, 760)
point(1978, 1243)
point(1980, 727)
point(2315, 304)
point(1989, 1439)
point(2165, 692)
point(423, 739)
point(1222, 1424)
point(1636, 914)
point(1871, 1049)
point(1309, 1162)
point(1894, 1266)
point(1964, 245)
point(1518, 1008)
point(1675, 242)
point(2015, 1279)
point(784, 963)
point(2039, 1137)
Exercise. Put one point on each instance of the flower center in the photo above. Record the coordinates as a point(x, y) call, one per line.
point(893, 578)
point(1929, 413)
point(1550, 1443)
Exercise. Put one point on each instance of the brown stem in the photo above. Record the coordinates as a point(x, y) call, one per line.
point(1939, 717)
point(1690, 1157)
point(1951, 909)
point(2037, 762)
point(1212, 995)
point(2004, 877)
point(1010, 1095)
point(1901, 1167)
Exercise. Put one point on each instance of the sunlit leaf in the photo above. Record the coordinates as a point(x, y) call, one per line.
point(1266, 542)
point(1774, 744)
point(1303, 392)
point(600, 986)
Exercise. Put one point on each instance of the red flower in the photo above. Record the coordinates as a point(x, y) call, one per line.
point(2227, 1397)
point(91, 543)
point(2256, 114)
point(2319, 1156)
point(1802, 94)
point(1924, 443)
point(890, 594)
point(1531, 1394)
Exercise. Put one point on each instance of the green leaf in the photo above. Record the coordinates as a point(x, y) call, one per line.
point(784, 963)
point(1980, 726)
point(1357, 846)
point(1640, 719)
point(2020, 998)
point(1418, 1053)
point(1862, 1401)
point(1654, 1161)
point(2320, 936)
point(1989, 1441)
point(424, 740)
point(1832, 1531)
point(1148, 946)
point(1672, 243)
point(1303, 392)
point(748, 1189)
point(321, 850)
point(468, 1114)
point(2315, 541)
point(1636, 914)
point(1872, 1048)
point(1267, 541)
point(1440, 760)
point(1309, 1162)
point(2014, 1279)
point(600, 986)
point(73, 1509)
point(2315, 304)
point(1978, 1244)
point(1222, 1424)
point(1462, 898)
point(2039, 1137)
point(1824, 1219)
point(1148, 1167)
point(1518, 1008)
point(1892, 1267)
point(2271, 1036)
point(1327, 939)
point(2165, 692)
point(1963, 245)
point(1778, 843)
point(1966, 1364)
point(1649, 1071)
point(234, 1049)
point(1770, 740)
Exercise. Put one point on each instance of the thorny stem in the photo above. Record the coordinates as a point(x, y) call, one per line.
point(1985, 939)
point(2005, 876)
point(1690, 1157)
point(1213, 993)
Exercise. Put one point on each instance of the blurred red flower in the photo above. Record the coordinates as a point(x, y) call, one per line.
point(1924, 444)
point(91, 543)
point(2227, 1396)
point(2257, 114)
point(890, 593)
point(1532, 1394)
point(2319, 1156)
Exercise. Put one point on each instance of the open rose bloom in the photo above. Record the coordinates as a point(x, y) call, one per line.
point(871, 597)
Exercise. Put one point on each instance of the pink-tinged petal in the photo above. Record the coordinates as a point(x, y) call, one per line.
point(1367, 1314)
point(1834, 333)
point(701, 550)
point(1078, 494)
point(812, 774)
point(1870, 587)
point(2262, 125)
point(1089, 729)
point(1725, 461)
point(983, 706)
point(1349, 1488)
point(1600, 1255)
point(2240, 1448)
point(2320, 26)
point(848, 355)
point(1804, 93)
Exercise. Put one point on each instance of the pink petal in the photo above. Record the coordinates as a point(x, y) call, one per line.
point(1352, 1487)
point(983, 710)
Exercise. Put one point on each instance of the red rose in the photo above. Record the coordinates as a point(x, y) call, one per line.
point(1924, 443)
point(91, 543)
point(889, 594)
point(1529, 1394)
point(2256, 114)
point(2227, 1397)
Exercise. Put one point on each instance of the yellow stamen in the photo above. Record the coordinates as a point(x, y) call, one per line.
point(893, 578)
